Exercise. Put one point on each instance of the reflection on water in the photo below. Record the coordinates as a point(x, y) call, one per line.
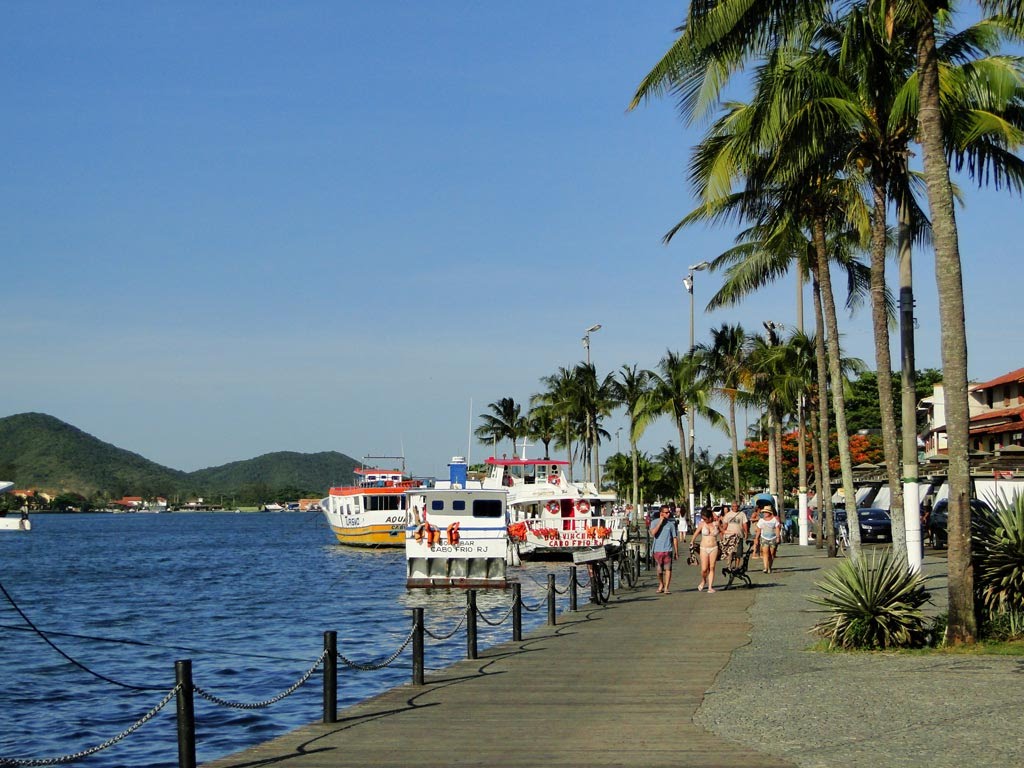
point(246, 597)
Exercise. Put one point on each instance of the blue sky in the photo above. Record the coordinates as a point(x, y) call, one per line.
point(235, 228)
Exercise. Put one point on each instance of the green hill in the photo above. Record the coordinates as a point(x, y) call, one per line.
point(43, 452)
point(283, 469)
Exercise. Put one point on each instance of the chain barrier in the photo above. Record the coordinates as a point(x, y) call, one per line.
point(579, 583)
point(13, 761)
point(537, 607)
point(451, 634)
point(372, 667)
point(261, 704)
point(501, 621)
point(561, 591)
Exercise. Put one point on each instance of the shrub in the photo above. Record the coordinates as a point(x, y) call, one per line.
point(997, 553)
point(872, 603)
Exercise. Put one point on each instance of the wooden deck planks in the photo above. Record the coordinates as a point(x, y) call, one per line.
point(613, 686)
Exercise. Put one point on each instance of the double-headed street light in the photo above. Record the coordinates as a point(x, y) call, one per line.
point(688, 282)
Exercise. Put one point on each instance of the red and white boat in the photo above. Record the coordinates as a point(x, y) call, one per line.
point(551, 516)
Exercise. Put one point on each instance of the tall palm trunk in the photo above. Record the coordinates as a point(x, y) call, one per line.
point(838, 397)
point(682, 461)
point(908, 426)
point(823, 481)
point(735, 452)
point(883, 364)
point(962, 625)
point(801, 278)
point(636, 475)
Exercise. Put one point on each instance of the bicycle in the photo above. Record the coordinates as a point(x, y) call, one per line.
point(842, 539)
point(629, 565)
point(600, 582)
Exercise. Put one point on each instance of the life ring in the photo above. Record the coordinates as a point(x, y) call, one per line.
point(553, 507)
point(583, 507)
point(453, 534)
point(553, 478)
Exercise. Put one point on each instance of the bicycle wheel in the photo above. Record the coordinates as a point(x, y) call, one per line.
point(628, 568)
point(601, 584)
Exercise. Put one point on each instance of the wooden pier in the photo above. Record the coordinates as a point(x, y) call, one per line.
point(614, 685)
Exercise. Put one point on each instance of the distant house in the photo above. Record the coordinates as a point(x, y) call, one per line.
point(128, 502)
point(996, 415)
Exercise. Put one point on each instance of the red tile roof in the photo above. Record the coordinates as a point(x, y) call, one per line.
point(1006, 378)
point(1010, 414)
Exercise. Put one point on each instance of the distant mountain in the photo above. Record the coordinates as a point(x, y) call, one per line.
point(40, 451)
point(283, 469)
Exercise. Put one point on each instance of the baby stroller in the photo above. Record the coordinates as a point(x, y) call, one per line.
point(740, 571)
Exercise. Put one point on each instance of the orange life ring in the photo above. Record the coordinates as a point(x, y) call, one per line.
point(583, 506)
point(553, 507)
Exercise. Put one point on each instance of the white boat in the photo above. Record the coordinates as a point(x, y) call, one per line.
point(457, 534)
point(18, 522)
point(371, 512)
point(551, 516)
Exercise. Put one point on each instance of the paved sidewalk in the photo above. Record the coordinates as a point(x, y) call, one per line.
point(861, 710)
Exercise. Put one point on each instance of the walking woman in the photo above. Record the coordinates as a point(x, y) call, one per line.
point(708, 529)
point(769, 530)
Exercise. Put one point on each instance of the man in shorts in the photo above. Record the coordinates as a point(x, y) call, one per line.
point(666, 546)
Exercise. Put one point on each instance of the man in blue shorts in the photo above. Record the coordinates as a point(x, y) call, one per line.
point(666, 546)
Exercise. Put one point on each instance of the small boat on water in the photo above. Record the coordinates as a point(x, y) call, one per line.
point(13, 523)
point(372, 511)
point(549, 516)
point(457, 533)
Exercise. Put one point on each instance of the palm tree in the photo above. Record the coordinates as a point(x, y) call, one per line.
point(726, 361)
point(542, 424)
point(560, 400)
point(630, 390)
point(504, 420)
point(681, 389)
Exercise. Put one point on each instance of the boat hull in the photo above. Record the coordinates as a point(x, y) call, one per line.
point(382, 535)
point(15, 524)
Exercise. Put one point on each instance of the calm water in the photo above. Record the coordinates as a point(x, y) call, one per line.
point(247, 597)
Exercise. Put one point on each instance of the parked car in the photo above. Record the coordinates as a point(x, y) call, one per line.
point(940, 517)
point(875, 523)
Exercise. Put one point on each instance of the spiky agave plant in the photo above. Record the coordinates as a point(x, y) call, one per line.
point(873, 602)
point(998, 554)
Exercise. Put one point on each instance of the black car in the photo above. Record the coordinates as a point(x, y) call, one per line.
point(940, 517)
point(875, 523)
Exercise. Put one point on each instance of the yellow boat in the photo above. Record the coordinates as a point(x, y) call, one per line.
point(371, 513)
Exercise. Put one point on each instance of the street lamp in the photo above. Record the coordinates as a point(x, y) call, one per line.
point(586, 338)
point(688, 282)
point(586, 345)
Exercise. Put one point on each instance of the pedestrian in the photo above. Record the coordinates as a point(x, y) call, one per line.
point(736, 528)
point(769, 530)
point(926, 522)
point(684, 524)
point(666, 546)
point(708, 530)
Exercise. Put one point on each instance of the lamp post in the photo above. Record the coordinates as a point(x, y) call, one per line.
point(688, 282)
point(586, 345)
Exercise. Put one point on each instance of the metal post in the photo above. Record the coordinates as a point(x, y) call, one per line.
point(417, 646)
point(331, 677)
point(551, 599)
point(470, 623)
point(517, 612)
point(573, 589)
point(186, 714)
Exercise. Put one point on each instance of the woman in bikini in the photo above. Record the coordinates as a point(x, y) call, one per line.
point(708, 530)
point(735, 525)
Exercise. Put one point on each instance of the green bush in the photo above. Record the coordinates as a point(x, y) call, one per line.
point(997, 552)
point(872, 603)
